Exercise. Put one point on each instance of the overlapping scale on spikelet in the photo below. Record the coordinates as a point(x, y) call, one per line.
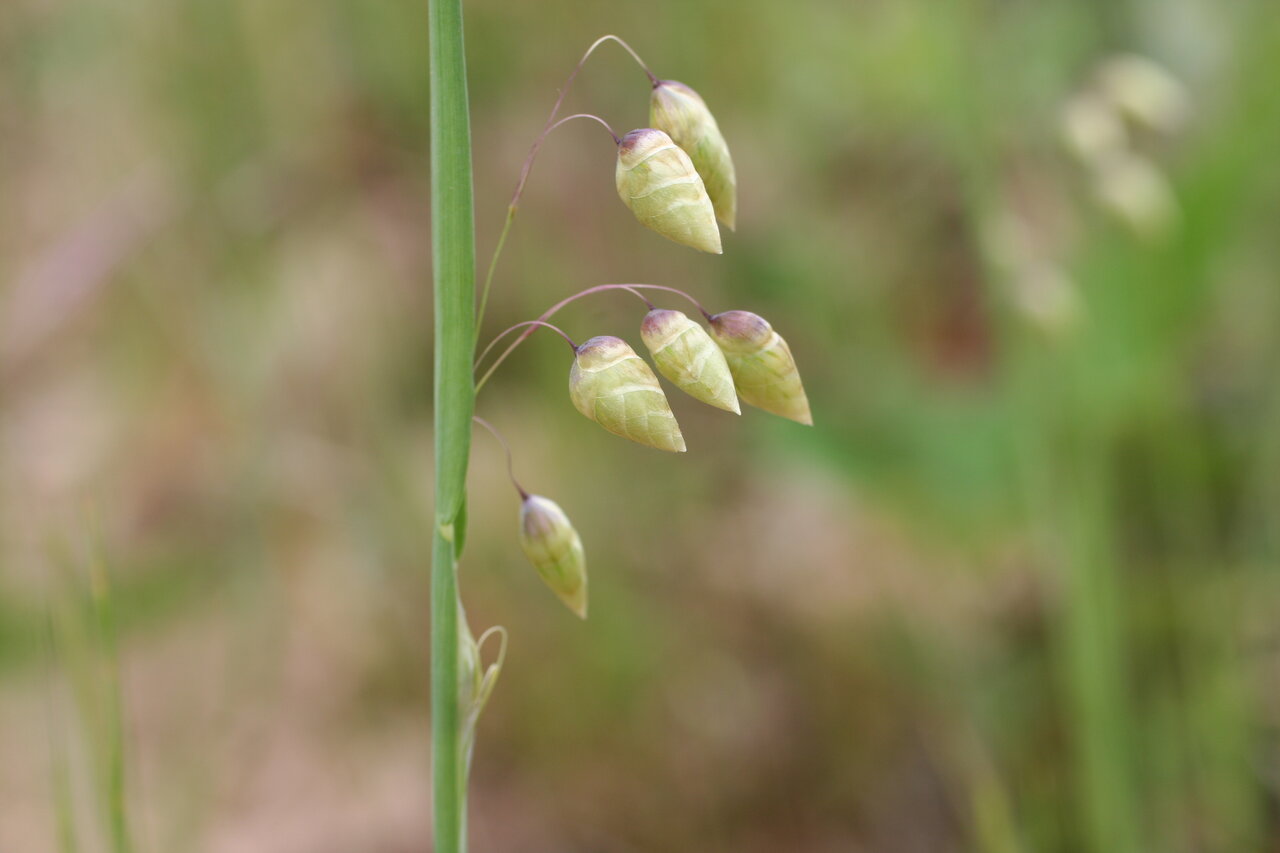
point(659, 183)
point(763, 368)
point(614, 387)
point(686, 355)
point(681, 113)
point(553, 546)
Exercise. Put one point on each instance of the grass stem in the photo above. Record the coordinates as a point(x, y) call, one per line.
point(453, 256)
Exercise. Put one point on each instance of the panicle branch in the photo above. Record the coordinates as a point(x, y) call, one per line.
point(527, 167)
point(591, 116)
point(506, 448)
point(546, 315)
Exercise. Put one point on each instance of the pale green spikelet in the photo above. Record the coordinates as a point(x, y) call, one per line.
point(1137, 193)
point(555, 549)
point(1144, 92)
point(658, 182)
point(683, 115)
point(763, 368)
point(685, 354)
point(614, 387)
point(1092, 128)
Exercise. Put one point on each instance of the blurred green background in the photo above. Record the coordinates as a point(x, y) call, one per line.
point(1015, 591)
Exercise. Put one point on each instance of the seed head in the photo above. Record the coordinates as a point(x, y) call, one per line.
point(555, 549)
point(614, 387)
point(1048, 298)
point(658, 182)
point(1134, 190)
point(1092, 128)
point(1145, 92)
point(686, 355)
point(763, 368)
point(683, 115)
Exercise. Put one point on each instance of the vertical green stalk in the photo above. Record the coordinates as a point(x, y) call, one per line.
point(1093, 645)
point(453, 253)
point(60, 767)
point(113, 769)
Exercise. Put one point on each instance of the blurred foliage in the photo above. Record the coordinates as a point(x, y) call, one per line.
point(1015, 590)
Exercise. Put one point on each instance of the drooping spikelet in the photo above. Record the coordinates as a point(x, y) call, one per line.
point(614, 387)
point(683, 115)
point(555, 549)
point(763, 368)
point(1137, 193)
point(658, 182)
point(685, 354)
point(1145, 92)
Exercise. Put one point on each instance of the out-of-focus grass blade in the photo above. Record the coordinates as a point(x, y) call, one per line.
point(83, 641)
point(113, 792)
point(63, 802)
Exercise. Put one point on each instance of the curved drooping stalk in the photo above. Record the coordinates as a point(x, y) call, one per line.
point(511, 472)
point(525, 169)
point(591, 116)
point(529, 325)
point(554, 308)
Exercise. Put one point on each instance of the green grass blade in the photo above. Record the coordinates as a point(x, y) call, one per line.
point(453, 255)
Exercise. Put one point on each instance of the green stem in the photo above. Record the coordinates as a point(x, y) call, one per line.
point(113, 760)
point(453, 251)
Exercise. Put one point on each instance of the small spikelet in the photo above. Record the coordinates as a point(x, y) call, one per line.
point(1092, 128)
point(686, 355)
point(1137, 193)
point(614, 387)
point(555, 549)
point(1145, 92)
point(762, 365)
point(683, 115)
point(658, 182)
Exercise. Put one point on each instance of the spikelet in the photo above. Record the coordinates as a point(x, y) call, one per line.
point(614, 387)
point(686, 355)
point(1145, 92)
point(1137, 193)
point(683, 115)
point(658, 182)
point(1091, 127)
point(555, 549)
point(762, 365)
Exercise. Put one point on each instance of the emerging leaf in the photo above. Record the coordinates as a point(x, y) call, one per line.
point(614, 387)
point(658, 182)
point(686, 355)
point(555, 549)
point(682, 114)
point(762, 365)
